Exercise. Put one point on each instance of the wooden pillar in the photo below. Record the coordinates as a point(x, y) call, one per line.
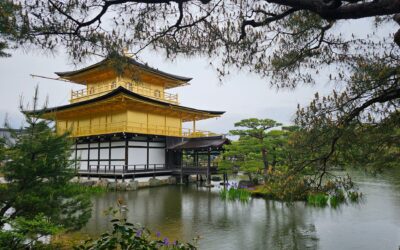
point(194, 124)
point(126, 152)
point(76, 154)
point(181, 174)
point(109, 154)
point(166, 165)
point(88, 155)
point(148, 152)
point(98, 153)
point(98, 157)
point(208, 166)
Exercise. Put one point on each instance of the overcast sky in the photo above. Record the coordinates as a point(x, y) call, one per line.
point(241, 95)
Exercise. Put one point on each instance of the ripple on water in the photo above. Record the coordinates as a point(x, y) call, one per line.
point(184, 212)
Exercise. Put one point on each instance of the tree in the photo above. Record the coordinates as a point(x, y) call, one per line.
point(73, 22)
point(244, 155)
point(2, 150)
point(38, 171)
point(369, 146)
point(246, 152)
point(253, 135)
point(288, 42)
point(257, 129)
point(6, 26)
point(277, 144)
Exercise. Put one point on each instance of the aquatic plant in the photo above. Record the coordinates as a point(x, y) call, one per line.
point(234, 193)
point(318, 199)
point(337, 198)
point(354, 196)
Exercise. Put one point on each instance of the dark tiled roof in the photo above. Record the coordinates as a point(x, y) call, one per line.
point(130, 61)
point(123, 90)
point(201, 143)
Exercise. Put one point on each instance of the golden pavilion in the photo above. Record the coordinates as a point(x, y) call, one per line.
point(125, 121)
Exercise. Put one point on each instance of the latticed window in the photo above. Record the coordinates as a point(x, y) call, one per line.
point(113, 85)
point(157, 93)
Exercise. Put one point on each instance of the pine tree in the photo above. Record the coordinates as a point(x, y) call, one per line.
point(38, 171)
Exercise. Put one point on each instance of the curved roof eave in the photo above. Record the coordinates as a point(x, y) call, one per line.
point(131, 61)
point(122, 90)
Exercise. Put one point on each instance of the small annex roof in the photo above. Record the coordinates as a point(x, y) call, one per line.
point(201, 143)
point(123, 91)
point(70, 75)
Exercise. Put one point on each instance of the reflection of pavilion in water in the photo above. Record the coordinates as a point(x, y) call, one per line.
point(125, 124)
point(181, 212)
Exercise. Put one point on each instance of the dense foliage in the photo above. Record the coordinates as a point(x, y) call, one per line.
point(287, 42)
point(125, 235)
point(285, 178)
point(38, 198)
point(258, 150)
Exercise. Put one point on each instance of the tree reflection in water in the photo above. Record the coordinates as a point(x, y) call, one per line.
point(184, 212)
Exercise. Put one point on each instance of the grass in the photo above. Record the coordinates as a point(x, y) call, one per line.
point(354, 196)
point(232, 194)
point(319, 199)
point(337, 198)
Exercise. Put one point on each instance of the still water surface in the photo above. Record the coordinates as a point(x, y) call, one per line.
point(184, 212)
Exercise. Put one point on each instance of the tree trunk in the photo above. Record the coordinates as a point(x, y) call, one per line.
point(273, 159)
point(265, 160)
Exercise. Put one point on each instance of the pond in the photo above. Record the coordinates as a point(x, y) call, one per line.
point(184, 212)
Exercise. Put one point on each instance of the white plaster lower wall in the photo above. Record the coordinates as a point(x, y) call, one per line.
point(104, 154)
point(117, 153)
point(117, 143)
point(137, 156)
point(157, 144)
point(94, 154)
point(82, 165)
point(82, 154)
point(157, 156)
point(138, 143)
point(82, 145)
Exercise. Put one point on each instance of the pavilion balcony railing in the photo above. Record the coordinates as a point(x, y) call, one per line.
point(92, 92)
point(121, 170)
point(138, 128)
point(200, 164)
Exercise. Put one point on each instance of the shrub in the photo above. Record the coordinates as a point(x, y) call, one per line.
point(125, 235)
